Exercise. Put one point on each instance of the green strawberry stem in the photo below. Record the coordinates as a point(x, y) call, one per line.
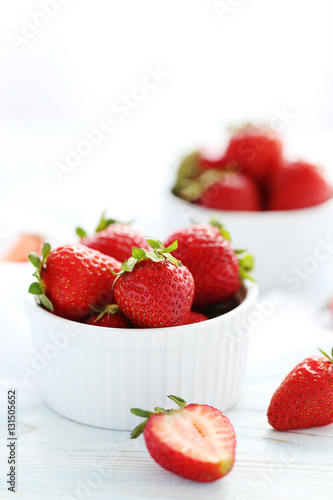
point(103, 224)
point(330, 358)
point(38, 287)
point(246, 261)
point(215, 222)
point(147, 414)
point(109, 309)
point(157, 254)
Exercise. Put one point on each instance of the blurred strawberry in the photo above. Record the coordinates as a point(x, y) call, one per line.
point(298, 185)
point(258, 151)
point(20, 248)
point(232, 192)
point(196, 317)
point(114, 239)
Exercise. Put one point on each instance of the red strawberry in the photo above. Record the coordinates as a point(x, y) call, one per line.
point(72, 278)
point(196, 441)
point(196, 317)
point(154, 289)
point(218, 163)
point(114, 239)
point(298, 185)
point(232, 192)
point(257, 151)
point(110, 316)
point(207, 253)
point(305, 397)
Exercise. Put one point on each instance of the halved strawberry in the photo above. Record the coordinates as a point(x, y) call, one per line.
point(195, 441)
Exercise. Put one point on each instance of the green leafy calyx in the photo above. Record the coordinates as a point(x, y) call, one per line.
point(246, 265)
point(215, 222)
point(38, 287)
point(109, 309)
point(158, 253)
point(104, 222)
point(147, 414)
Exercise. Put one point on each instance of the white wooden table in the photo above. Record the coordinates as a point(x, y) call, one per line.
point(60, 459)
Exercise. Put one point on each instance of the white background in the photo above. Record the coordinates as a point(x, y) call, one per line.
point(245, 60)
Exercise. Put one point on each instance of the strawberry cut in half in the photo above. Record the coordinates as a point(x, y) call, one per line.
point(195, 441)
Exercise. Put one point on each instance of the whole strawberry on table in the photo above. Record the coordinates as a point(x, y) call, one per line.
point(305, 397)
point(252, 174)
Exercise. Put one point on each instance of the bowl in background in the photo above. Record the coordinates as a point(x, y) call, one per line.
point(291, 247)
point(94, 374)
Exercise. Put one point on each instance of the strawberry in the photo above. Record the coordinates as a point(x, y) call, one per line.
point(113, 238)
point(21, 246)
point(231, 192)
point(207, 163)
point(305, 397)
point(110, 316)
point(257, 151)
point(196, 317)
point(298, 185)
point(205, 250)
point(195, 441)
point(153, 288)
point(72, 279)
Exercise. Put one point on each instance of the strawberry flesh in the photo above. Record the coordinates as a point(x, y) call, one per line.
point(197, 443)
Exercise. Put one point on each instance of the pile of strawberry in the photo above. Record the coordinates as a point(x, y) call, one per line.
point(252, 174)
point(118, 278)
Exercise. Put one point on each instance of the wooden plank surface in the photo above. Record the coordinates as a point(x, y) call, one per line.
point(61, 459)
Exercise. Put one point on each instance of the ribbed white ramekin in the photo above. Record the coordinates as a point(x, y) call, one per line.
point(291, 248)
point(94, 375)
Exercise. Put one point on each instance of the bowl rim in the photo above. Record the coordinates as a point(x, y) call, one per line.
point(252, 292)
point(262, 214)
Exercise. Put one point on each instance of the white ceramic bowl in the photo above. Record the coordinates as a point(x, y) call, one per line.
point(94, 375)
point(278, 240)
